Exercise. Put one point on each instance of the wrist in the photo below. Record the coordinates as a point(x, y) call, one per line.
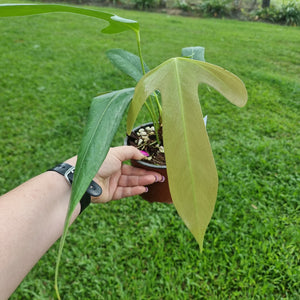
point(67, 170)
point(61, 190)
point(71, 161)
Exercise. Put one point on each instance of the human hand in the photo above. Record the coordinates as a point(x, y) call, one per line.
point(118, 180)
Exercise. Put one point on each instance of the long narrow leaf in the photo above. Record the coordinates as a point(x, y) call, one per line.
point(192, 173)
point(105, 115)
point(104, 118)
point(117, 24)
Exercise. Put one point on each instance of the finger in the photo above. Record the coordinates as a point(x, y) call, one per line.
point(127, 152)
point(131, 181)
point(122, 192)
point(130, 170)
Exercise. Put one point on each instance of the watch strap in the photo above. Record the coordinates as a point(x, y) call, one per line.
point(67, 171)
point(84, 202)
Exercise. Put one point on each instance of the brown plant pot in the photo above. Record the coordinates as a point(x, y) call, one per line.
point(159, 191)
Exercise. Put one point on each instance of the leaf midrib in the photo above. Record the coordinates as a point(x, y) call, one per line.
point(95, 130)
point(177, 74)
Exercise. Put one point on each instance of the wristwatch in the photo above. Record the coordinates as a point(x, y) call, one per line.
point(94, 189)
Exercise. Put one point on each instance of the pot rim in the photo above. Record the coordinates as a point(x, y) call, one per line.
point(141, 161)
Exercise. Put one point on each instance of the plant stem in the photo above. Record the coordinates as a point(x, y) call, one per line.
point(138, 39)
point(155, 120)
point(61, 245)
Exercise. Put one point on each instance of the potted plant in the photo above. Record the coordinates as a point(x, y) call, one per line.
point(179, 124)
point(170, 93)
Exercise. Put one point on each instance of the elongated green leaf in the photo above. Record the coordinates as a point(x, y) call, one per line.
point(105, 115)
point(127, 62)
point(104, 118)
point(191, 169)
point(117, 24)
point(193, 53)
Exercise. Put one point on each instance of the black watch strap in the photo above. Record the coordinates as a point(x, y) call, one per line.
point(94, 189)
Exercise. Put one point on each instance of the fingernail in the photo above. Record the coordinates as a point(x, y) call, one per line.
point(156, 178)
point(146, 189)
point(144, 153)
point(163, 179)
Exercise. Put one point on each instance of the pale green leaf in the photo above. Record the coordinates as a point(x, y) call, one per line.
point(116, 24)
point(191, 169)
point(127, 62)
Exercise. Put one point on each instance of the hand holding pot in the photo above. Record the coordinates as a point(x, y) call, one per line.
point(119, 180)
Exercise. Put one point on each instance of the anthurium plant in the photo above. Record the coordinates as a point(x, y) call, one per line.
point(170, 93)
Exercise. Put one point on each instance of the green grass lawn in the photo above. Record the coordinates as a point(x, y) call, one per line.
point(51, 66)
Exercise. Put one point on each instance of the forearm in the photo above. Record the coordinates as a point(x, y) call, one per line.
point(32, 218)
